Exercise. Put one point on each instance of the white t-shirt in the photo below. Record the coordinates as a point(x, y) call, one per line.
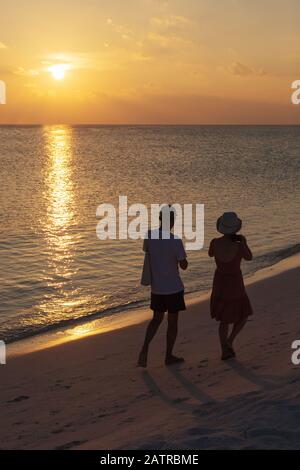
point(164, 255)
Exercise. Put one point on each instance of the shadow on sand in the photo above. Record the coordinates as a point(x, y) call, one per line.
point(194, 391)
point(251, 376)
point(180, 402)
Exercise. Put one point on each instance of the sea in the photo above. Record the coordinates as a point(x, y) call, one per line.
point(56, 272)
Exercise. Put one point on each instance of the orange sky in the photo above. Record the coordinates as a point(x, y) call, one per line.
point(150, 61)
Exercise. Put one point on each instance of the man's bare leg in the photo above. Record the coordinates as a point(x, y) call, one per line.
point(150, 333)
point(171, 338)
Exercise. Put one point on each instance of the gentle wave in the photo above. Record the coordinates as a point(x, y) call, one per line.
point(273, 257)
point(261, 261)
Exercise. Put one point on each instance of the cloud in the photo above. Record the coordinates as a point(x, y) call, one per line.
point(2, 45)
point(109, 58)
point(167, 34)
point(242, 70)
point(26, 72)
point(170, 21)
point(165, 40)
point(123, 31)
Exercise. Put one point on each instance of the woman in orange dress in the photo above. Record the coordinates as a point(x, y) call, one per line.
point(229, 301)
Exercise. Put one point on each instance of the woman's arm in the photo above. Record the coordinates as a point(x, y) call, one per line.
point(211, 252)
point(247, 253)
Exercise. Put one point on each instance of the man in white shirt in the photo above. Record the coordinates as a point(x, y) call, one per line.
point(166, 253)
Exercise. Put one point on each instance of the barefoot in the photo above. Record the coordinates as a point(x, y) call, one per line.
point(230, 349)
point(142, 361)
point(173, 360)
point(227, 353)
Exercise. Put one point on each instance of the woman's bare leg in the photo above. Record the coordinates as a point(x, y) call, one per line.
point(223, 333)
point(227, 352)
point(237, 328)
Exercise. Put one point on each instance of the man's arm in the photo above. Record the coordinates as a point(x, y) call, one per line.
point(181, 255)
point(183, 264)
point(145, 245)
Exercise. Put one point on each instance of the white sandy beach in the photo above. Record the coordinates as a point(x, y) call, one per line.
point(88, 393)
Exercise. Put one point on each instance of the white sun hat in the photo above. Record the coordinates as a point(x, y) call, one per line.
point(229, 223)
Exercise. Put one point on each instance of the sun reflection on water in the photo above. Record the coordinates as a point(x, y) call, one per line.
point(66, 296)
point(60, 221)
point(60, 197)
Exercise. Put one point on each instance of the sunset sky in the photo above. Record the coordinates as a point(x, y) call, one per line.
point(150, 61)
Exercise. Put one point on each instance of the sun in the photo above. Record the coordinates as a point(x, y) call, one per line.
point(58, 71)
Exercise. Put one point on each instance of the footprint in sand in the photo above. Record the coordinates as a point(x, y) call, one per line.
point(144, 396)
point(60, 386)
point(128, 420)
point(200, 431)
point(179, 400)
point(69, 445)
point(18, 399)
point(294, 380)
point(105, 415)
point(57, 431)
point(271, 432)
point(213, 383)
point(203, 363)
point(153, 445)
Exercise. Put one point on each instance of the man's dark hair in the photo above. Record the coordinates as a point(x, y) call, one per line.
point(167, 212)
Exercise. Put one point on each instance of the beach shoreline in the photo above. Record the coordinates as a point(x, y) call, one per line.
point(89, 394)
point(127, 317)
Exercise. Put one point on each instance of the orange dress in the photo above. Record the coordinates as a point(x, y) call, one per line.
point(229, 301)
